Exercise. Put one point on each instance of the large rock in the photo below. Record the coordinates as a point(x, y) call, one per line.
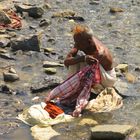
point(126, 89)
point(121, 86)
point(45, 84)
point(111, 132)
point(73, 130)
point(39, 132)
point(4, 18)
point(33, 11)
point(31, 43)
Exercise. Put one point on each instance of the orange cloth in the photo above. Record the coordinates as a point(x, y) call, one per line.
point(53, 109)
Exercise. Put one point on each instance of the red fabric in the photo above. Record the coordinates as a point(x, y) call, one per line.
point(75, 91)
point(16, 21)
point(53, 110)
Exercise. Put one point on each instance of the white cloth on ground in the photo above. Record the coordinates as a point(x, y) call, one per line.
point(106, 101)
point(37, 115)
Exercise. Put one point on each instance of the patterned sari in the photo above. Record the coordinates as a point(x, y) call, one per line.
point(75, 91)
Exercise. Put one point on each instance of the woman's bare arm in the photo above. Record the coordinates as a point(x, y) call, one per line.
point(72, 59)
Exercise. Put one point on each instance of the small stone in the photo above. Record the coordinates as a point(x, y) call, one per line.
point(36, 98)
point(12, 70)
point(6, 89)
point(3, 50)
point(6, 56)
point(47, 54)
point(19, 110)
point(137, 69)
point(61, 57)
point(109, 25)
point(130, 77)
point(115, 10)
point(4, 42)
point(50, 70)
point(51, 40)
point(119, 74)
point(32, 27)
point(21, 93)
point(47, 6)
point(87, 121)
point(51, 64)
point(49, 50)
point(44, 22)
point(66, 13)
point(53, 53)
point(118, 48)
point(94, 2)
point(2, 31)
point(11, 77)
point(4, 18)
point(122, 67)
point(12, 34)
point(76, 18)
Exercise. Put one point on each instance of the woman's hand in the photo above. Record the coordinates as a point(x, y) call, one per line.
point(90, 59)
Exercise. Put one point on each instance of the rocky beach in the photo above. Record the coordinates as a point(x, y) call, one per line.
point(35, 36)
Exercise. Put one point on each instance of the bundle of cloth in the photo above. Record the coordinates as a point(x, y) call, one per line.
point(71, 95)
point(14, 20)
